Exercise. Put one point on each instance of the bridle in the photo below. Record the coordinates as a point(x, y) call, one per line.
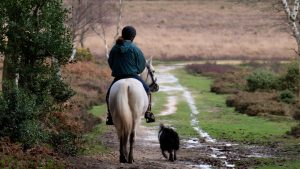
point(153, 86)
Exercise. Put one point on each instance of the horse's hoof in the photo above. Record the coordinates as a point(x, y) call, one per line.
point(149, 116)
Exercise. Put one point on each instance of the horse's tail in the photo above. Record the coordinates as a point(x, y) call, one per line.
point(123, 115)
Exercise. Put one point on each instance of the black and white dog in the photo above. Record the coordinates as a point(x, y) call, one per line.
point(169, 141)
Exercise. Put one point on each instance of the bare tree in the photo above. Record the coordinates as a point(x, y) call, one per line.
point(101, 22)
point(119, 19)
point(92, 16)
point(84, 14)
point(293, 19)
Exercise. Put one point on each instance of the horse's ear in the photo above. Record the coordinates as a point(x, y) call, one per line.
point(149, 61)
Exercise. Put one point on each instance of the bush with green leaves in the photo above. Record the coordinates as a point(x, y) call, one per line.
point(295, 131)
point(60, 91)
point(16, 107)
point(297, 114)
point(84, 54)
point(290, 80)
point(65, 142)
point(35, 42)
point(31, 133)
point(262, 79)
point(287, 96)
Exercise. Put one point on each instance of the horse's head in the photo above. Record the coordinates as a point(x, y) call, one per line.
point(149, 76)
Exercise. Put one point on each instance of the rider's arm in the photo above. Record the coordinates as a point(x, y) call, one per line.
point(111, 58)
point(140, 60)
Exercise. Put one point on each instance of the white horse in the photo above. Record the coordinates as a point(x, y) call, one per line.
point(128, 101)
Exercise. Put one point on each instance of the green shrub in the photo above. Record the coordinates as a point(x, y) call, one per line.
point(297, 114)
point(295, 131)
point(290, 80)
point(83, 54)
point(287, 96)
point(31, 133)
point(262, 79)
point(60, 91)
point(65, 142)
point(16, 107)
point(230, 101)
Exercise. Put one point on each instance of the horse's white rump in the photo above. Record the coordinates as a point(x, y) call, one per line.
point(128, 101)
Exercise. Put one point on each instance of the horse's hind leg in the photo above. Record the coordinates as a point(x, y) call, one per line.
point(123, 150)
point(175, 158)
point(171, 155)
point(132, 138)
point(164, 154)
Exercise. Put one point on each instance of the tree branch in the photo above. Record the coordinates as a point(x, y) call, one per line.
point(295, 10)
point(292, 17)
point(286, 8)
point(119, 19)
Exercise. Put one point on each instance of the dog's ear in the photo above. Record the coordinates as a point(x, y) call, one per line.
point(161, 126)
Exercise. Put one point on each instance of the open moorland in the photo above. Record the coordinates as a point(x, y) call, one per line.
point(206, 29)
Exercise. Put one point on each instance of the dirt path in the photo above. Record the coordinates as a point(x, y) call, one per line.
point(203, 153)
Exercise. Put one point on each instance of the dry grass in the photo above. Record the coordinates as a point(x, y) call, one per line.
point(12, 155)
point(206, 29)
point(89, 80)
point(259, 103)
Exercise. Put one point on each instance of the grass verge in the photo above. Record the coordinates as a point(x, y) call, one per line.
point(181, 120)
point(93, 144)
point(294, 164)
point(158, 105)
point(222, 122)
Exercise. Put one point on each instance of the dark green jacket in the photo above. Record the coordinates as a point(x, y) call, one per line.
point(126, 59)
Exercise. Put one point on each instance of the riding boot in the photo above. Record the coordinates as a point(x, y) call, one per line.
point(149, 116)
point(109, 120)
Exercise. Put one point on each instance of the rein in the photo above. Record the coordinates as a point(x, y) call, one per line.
point(153, 84)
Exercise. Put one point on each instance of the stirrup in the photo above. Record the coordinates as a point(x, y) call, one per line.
point(149, 116)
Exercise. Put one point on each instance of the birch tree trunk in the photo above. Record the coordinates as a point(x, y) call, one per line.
point(56, 66)
point(73, 54)
point(119, 20)
point(102, 33)
point(293, 20)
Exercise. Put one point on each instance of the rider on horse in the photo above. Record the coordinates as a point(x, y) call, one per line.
point(126, 60)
